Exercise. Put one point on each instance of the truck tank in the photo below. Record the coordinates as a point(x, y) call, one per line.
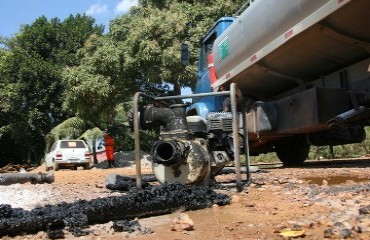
point(273, 48)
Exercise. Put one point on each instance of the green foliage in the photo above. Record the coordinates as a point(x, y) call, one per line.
point(91, 136)
point(355, 150)
point(121, 129)
point(30, 78)
point(152, 35)
point(265, 158)
point(71, 128)
point(97, 85)
point(140, 52)
point(57, 41)
point(342, 151)
point(123, 132)
point(74, 128)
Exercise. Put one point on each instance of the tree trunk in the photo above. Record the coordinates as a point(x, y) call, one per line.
point(365, 147)
point(177, 91)
point(94, 151)
point(29, 151)
point(331, 152)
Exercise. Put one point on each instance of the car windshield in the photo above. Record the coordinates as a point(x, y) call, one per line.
point(72, 144)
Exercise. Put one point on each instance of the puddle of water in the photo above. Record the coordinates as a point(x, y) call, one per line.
point(335, 180)
point(208, 222)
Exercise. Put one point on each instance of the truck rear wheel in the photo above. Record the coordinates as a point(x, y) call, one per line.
point(293, 153)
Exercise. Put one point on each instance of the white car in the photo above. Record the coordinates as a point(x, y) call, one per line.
point(68, 154)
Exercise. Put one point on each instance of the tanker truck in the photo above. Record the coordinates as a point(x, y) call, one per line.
point(300, 73)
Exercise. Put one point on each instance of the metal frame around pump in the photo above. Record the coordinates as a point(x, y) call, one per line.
point(235, 127)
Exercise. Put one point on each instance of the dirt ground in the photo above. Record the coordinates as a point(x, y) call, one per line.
point(327, 200)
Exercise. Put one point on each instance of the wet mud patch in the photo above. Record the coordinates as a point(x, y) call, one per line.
point(130, 227)
point(335, 180)
point(75, 217)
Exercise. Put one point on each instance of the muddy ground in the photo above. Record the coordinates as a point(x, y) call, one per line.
point(320, 200)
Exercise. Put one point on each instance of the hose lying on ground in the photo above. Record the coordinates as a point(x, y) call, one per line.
point(155, 200)
point(12, 178)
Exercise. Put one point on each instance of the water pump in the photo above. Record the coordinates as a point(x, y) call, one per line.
point(178, 156)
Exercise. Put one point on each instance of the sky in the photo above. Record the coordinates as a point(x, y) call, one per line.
point(14, 13)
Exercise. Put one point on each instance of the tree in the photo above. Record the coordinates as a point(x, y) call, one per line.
point(45, 82)
point(101, 82)
point(31, 76)
point(98, 83)
point(152, 34)
point(141, 52)
point(9, 151)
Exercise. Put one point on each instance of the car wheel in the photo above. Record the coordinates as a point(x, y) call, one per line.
point(56, 167)
point(86, 166)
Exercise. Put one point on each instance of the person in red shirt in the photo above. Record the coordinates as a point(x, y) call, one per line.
point(109, 149)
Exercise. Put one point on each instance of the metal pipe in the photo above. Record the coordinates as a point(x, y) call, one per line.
point(137, 136)
point(348, 116)
point(166, 117)
point(12, 178)
point(170, 153)
point(243, 8)
point(236, 137)
point(245, 143)
point(193, 95)
point(137, 140)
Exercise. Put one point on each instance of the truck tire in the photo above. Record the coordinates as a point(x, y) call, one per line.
point(86, 166)
point(293, 153)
